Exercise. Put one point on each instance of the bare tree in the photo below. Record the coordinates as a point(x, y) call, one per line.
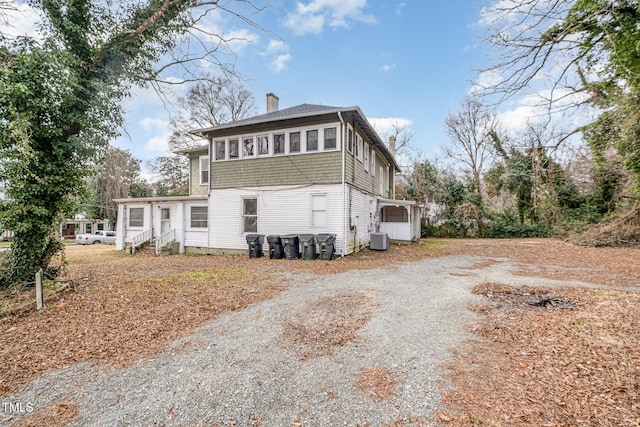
point(210, 102)
point(470, 131)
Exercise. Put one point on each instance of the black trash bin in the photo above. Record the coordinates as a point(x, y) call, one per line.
point(255, 242)
point(276, 250)
point(326, 246)
point(290, 246)
point(308, 246)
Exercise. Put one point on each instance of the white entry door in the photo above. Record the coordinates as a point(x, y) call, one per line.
point(165, 220)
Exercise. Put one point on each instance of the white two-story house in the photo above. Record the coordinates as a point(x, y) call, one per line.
point(308, 169)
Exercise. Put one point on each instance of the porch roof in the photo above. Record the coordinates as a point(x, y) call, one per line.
point(393, 202)
point(167, 199)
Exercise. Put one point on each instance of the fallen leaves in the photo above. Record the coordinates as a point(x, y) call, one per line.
point(323, 324)
point(380, 383)
point(549, 366)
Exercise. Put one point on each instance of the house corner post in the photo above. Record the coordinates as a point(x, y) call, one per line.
point(120, 230)
point(180, 214)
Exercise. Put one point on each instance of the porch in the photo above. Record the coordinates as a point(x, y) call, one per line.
point(400, 219)
point(165, 222)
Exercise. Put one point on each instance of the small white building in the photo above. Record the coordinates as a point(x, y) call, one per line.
point(309, 169)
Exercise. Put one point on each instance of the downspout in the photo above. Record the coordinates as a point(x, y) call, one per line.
point(344, 200)
point(209, 209)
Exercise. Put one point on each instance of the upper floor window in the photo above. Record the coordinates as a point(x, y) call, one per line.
point(294, 142)
point(330, 138)
point(312, 140)
point(263, 145)
point(365, 155)
point(278, 143)
point(359, 147)
point(247, 147)
point(219, 149)
point(350, 141)
point(233, 149)
point(373, 163)
point(204, 170)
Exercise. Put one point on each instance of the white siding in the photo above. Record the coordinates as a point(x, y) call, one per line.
point(281, 211)
point(362, 215)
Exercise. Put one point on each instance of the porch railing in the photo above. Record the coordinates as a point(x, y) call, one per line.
point(140, 239)
point(165, 238)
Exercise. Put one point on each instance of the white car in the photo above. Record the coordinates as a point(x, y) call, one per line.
point(97, 237)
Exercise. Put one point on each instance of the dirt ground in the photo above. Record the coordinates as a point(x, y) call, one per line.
point(568, 356)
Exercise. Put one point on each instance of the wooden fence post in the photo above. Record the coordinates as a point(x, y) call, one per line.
point(39, 298)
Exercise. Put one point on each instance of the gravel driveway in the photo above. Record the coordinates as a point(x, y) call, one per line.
point(246, 369)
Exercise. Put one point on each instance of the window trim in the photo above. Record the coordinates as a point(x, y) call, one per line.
point(325, 217)
point(237, 142)
point(365, 157)
point(190, 219)
point(335, 138)
point(283, 144)
point(224, 149)
point(244, 139)
point(307, 149)
point(259, 140)
point(135, 227)
point(350, 140)
point(299, 142)
point(243, 215)
point(201, 170)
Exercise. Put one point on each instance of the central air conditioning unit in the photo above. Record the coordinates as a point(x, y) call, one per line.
point(379, 241)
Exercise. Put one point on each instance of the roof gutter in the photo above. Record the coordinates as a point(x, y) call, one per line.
point(344, 200)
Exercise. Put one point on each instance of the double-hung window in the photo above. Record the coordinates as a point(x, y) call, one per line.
point(219, 149)
point(233, 149)
point(199, 216)
point(136, 217)
point(350, 141)
point(247, 147)
point(263, 145)
point(204, 170)
point(312, 140)
point(319, 210)
point(365, 162)
point(250, 215)
point(294, 142)
point(330, 138)
point(278, 143)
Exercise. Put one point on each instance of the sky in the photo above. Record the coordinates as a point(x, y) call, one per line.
point(411, 62)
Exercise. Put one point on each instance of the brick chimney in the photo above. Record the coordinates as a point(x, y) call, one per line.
point(392, 145)
point(272, 102)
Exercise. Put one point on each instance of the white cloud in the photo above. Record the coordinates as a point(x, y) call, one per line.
point(312, 16)
point(157, 132)
point(385, 126)
point(400, 8)
point(388, 67)
point(280, 62)
point(278, 53)
point(535, 107)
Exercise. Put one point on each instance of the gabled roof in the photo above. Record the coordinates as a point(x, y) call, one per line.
point(309, 110)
